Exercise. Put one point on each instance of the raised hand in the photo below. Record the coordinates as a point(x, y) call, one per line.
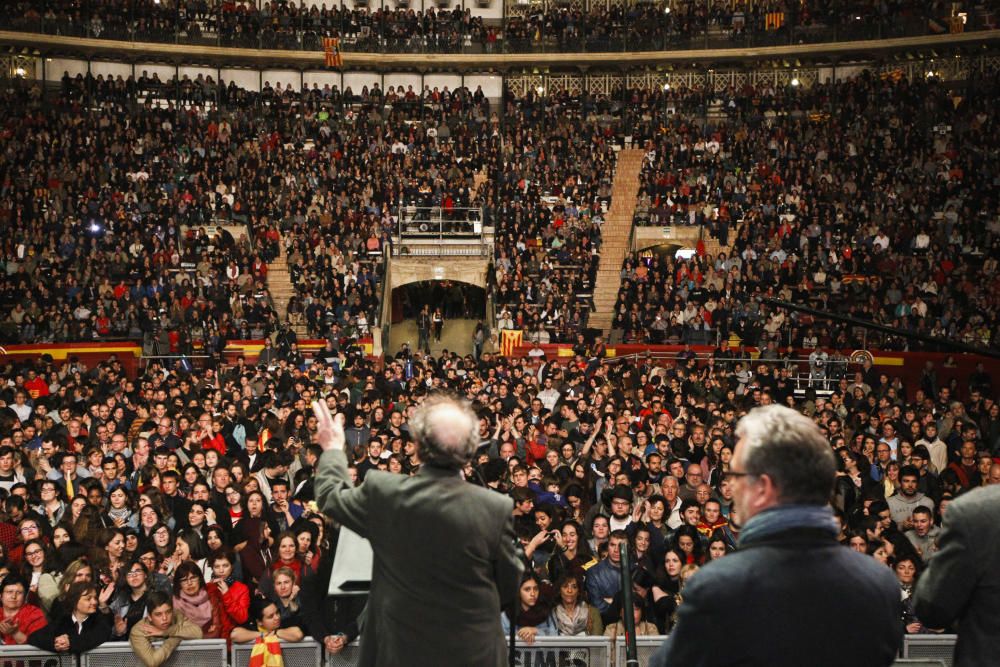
point(329, 429)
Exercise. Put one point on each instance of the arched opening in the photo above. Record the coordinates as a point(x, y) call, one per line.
point(436, 315)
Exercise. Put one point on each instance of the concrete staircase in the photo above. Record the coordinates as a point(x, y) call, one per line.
point(615, 236)
point(279, 284)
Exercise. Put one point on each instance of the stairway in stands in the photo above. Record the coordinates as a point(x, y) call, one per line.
point(279, 284)
point(615, 236)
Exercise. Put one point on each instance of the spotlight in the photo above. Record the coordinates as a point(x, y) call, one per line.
point(19, 72)
point(795, 81)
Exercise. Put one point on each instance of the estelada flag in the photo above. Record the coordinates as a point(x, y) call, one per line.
point(774, 20)
point(510, 339)
point(331, 49)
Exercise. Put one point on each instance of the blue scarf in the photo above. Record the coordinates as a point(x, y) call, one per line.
point(782, 518)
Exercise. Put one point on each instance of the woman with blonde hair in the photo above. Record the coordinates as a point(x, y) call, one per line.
point(53, 587)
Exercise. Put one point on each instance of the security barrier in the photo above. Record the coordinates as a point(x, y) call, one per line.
point(189, 653)
point(645, 645)
point(349, 657)
point(29, 656)
point(935, 647)
point(568, 651)
point(305, 653)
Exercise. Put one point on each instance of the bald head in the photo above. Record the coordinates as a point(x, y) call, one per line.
point(446, 430)
point(994, 477)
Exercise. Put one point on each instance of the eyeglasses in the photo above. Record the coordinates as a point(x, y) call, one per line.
point(36, 552)
point(191, 579)
point(28, 529)
point(135, 573)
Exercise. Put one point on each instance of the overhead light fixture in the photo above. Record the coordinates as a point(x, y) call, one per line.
point(666, 86)
point(19, 72)
point(795, 81)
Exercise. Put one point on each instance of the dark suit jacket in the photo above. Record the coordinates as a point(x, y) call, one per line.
point(962, 582)
point(444, 563)
point(795, 598)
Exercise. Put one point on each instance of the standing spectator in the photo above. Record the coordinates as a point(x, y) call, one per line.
point(164, 625)
point(907, 498)
point(20, 619)
point(532, 618)
point(229, 596)
point(80, 628)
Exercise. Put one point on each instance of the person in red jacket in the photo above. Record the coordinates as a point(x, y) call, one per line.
point(19, 619)
point(230, 598)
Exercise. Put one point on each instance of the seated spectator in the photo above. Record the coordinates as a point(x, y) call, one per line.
point(20, 619)
point(80, 628)
point(532, 618)
point(164, 625)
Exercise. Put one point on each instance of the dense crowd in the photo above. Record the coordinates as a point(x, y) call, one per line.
point(139, 244)
point(859, 198)
point(187, 496)
point(288, 25)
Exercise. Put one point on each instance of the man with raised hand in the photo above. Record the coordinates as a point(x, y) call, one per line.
point(444, 561)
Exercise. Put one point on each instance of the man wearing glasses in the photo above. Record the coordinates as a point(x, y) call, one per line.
point(789, 572)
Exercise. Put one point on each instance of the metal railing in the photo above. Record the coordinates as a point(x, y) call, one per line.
point(935, 647)
point(593, 651)
point(306, 653)
point(190, 653)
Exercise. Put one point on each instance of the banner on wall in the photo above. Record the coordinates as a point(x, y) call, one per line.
point(510, 340)
point(331, 50)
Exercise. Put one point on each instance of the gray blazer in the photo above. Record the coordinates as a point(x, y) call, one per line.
point(444, 563)
point(962, 581)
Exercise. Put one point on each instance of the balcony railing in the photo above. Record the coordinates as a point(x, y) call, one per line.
point(304, 33)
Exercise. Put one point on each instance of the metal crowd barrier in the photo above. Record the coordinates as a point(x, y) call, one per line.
point(645, 645)
point(305, 653)
point(19, 655)
point(349, 657)
point(189, 653)
point(568, 651)
point(935, 647)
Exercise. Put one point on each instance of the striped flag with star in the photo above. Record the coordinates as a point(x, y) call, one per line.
point(331, 50)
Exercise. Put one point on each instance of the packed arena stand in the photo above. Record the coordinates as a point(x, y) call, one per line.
point(778, 175)
point(195, 485)
point(554, 187)
point(281, 24)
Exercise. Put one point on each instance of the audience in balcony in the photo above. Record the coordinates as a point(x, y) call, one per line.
point(284, 24)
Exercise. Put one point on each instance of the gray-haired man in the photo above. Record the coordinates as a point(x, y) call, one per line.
point(444, 549)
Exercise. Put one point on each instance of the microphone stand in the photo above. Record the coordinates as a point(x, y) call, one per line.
point(628, 613)
point(512, 614)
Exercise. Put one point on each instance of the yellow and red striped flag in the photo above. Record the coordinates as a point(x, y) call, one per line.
point(266, 652)
point(331, 49)
point(510, 339)
point(774, 20)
